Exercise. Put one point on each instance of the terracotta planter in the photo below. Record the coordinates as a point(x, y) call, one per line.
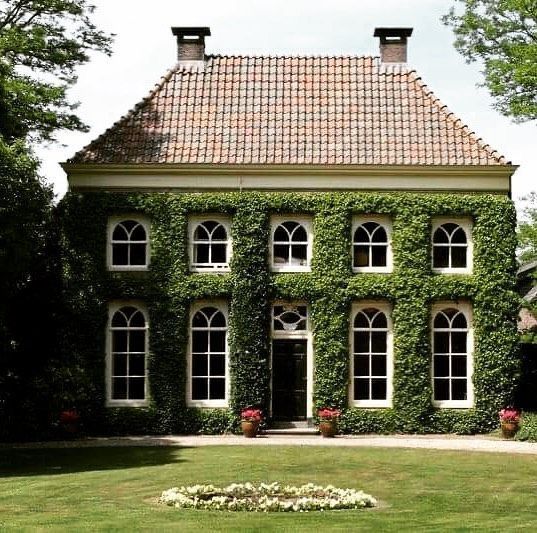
point(509, 429)
point(328, 428)
point(249, 428)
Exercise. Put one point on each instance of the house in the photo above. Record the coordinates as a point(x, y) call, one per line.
point(290, 232)
point(527, 288)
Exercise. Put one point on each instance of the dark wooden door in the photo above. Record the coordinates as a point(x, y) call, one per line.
point(289, 379)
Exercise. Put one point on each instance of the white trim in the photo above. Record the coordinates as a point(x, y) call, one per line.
point(386, 308)
point(307, 223)
point(113, 221)
point(466, 223)
point(466, 309)
point(386, 223)
point(223, 307)
point(112, 308)
point(193, 223)
point(304, 334)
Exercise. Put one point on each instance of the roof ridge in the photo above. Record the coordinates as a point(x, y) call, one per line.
point(293, 56)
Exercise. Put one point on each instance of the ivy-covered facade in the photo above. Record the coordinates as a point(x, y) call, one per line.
point(213, 262)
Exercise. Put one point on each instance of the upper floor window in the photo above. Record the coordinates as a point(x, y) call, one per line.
point(291, 244)
point(208, 360)
point(371, 365)
point(210, 246)
point(128, 244)
point(452, 246)
point(371, 250)
point(127, 356)
point(452, 362)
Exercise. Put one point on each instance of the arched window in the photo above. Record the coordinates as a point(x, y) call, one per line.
point(371, 353)
point(128, 245)
point(450, 247)
point(451, 357)
point(291, 246)
point(210, 246)
point(208, 356)
point(370, 246)
point(128, 356)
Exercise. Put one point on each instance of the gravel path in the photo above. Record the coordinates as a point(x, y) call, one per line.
point(480, 443)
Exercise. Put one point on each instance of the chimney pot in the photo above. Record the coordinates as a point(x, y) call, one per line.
point(191, 44)
point(393, 44)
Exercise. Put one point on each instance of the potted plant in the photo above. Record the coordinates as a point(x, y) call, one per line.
point(250, 420)
point(69, 420)
point(509, 421)
point(328, 418)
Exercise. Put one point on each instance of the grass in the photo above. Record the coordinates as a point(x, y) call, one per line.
point(115, 489)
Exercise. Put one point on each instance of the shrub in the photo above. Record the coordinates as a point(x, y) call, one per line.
point(528, 429)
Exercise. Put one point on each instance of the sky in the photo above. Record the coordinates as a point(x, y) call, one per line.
point(144, 49)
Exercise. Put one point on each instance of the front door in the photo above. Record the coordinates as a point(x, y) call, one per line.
point(289, 379)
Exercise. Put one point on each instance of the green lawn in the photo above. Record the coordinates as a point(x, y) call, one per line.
point(116, 488)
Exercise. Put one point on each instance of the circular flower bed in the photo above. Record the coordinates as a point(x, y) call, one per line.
point(266, 497)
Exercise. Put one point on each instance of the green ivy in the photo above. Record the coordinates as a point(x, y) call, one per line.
point(168, 290)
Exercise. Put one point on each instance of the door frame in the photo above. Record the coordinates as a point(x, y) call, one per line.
point(294, 335)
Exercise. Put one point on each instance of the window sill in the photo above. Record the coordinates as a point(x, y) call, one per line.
point(452, 270)
point(290, 269)
point(127, 403)
point(371, 404)
point(208, 404)
point(210, 270)
point(373, 270)
point(137, 268)
point(453, 404)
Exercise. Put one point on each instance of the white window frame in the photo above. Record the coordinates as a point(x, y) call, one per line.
point(193, 223)
point(112, 223)
point(467, 311)
point(195, 307)
point(307, 223)
point(113, 307)
point(302, 334)
point(386, 223)
point(386, 308)
point(466, 223)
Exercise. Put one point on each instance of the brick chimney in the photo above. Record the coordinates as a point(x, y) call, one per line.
point(393, 44)
point(191, 45)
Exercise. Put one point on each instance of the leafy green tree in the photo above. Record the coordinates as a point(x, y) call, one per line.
point(502, 34)
point(527, 231)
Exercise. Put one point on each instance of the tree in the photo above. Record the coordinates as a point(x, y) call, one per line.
point(527, 231)
point(502, 34)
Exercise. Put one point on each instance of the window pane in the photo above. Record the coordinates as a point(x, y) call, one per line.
point(281, 254)
point(119, 365)
point(200, 341)
point(440, 236)
point(440, 256)
point(217, 389)
point(299, 254)
point(119, 388)
point(137, 341)
point(458, 342)
point(458, 257)
point(120, 233)
point(136, 388)
point(300, 235)
point(200, 365)
point(378, 389)
point(441, 342)
point(120, 255)
point(361, 389)
point(379, 321)
point(378, 342)
point(441, 321)
point(361, 256)
point(458, 236)
point(441, 389)
point(219, 253)
point(138, 254)
point(441, 366)
point(361, 365)
point(281, 235)
point(201, 253)
point(219, 233)
point(378, 365)
point(217, 341)
point(200, 390)
point(137, 319)
point(458, 365)
point(459, 321)
point(218, 320)
point(361, 235)
point(458, 389)
point(218, 365)
point(199, 320)
point(138, 233)
point(137, 365)
point(361, 321)
point(379, 256)
point(361, 342)
point(379, 235)
point(119, 341)
point(201, 234)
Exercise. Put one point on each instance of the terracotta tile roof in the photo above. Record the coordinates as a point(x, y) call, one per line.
point(290, 110)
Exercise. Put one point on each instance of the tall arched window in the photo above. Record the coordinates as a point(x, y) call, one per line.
point(371, 356)
point(128, 356)
point(291, 249)
point(370, 243)
point(208, 356)
point(451, 356)
point(210, 245)
point(128, 245)
point(450, 247)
